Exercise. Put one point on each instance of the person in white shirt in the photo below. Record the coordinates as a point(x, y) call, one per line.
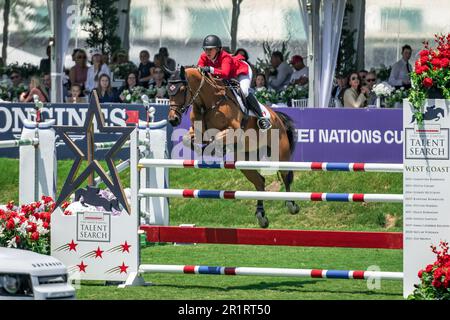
point(96, 70)
point(400, 73)
point(301, 72)
point(282, 75)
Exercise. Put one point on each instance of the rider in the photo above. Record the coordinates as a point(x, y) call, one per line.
point(220, 63)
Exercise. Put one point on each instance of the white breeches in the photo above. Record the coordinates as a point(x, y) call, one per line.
point(245, 80)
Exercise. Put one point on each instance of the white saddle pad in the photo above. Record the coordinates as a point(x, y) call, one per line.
point(264, 110)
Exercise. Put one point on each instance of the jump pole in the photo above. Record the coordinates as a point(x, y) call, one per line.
point(274, 165)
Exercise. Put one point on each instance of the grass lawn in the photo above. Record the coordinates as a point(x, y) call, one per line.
point(216, 213)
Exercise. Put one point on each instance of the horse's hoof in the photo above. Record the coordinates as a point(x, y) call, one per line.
point(262, 219)
point(292, 207)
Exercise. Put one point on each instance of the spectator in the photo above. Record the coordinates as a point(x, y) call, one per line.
point(400, 72)
point(282, 75)
point(146, 68)
point(47, 84)
point(74, 53)
point(168, 62)
point(17, 85)
point(16, 78)
point(157, 61)
point(355, 95)
point(159, 83)
point(244, 53)
point(96, 70)
point(371, 80)
point(130, 83)
point(106, 93)
point(44, 66)
point(301, 72)
point(78, 73)
point(35, 89)
point(76, 95)
point(337, 93)
point(260, 82)
point(121, 57)
point(362, 76)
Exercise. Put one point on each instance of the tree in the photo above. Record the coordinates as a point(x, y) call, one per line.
point(346, 56)
point(101, 26)
point(234, 22)
point(6, 10)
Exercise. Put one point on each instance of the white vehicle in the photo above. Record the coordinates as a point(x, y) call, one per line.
point(27, 275)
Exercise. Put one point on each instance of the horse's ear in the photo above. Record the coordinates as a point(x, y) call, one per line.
point(182, 73)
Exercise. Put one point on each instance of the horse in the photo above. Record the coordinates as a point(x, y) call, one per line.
point(216, 107)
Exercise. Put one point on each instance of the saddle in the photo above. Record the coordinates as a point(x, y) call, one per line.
point(237, 96)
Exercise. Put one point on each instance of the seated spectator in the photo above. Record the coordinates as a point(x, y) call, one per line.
point(35, 89)
point(18, 87)
point(401, 70)
point(44, 65)
point(371, 80)
point(280, 77)
point(146, 68)
point(47, 83)
point(244, 53)
point(301, 72)
point(356, 95)
point(96, 70)
point(168, 62)
point(159, 83)
point(260, 82)
point(337, 93)
point(78, 73)
point(76, 95)
point(130, 83)
point(362, 76)
point(105, 92)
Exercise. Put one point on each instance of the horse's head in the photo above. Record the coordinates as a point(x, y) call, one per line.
point(178, 89)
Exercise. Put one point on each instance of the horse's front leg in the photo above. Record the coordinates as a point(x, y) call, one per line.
point(259, 182)
point(219, 142)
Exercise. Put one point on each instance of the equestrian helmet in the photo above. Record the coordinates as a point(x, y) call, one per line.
point(212, 41)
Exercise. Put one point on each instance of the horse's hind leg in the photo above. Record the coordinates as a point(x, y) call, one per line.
point(288, 178)
point(259, 182)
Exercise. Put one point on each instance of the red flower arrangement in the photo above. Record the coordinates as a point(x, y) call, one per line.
point(28, 226)
point(435, 278)
point(431, 75)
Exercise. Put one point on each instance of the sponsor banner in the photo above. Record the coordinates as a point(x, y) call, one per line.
point(345, 135)
point(323, 134)
point(13, 114)
point(426, 181)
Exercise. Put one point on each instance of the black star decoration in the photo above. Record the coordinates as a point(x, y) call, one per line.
point(72, 182)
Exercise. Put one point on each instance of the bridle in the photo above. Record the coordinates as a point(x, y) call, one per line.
point(180, 109)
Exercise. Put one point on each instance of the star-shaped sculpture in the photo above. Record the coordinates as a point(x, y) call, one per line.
point(73, 182)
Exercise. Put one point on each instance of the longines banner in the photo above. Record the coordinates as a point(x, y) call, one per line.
point(426, 188)
point(12, 115)
point(323, 134)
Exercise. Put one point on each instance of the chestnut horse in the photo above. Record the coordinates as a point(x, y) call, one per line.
point(215, 106)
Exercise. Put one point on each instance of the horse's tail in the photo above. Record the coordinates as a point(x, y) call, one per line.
point(290, 130)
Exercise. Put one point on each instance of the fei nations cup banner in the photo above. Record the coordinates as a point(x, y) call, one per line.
point(323, 134)
point(426, 187)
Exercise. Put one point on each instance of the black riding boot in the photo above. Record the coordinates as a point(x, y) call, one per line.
point(253, 104)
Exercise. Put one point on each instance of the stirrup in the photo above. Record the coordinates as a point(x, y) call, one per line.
point(264, 124)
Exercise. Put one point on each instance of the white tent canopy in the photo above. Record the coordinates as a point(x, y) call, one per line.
point(323, 19)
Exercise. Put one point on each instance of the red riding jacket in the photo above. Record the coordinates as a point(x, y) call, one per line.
point(226, 66)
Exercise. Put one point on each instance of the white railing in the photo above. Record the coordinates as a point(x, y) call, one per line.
point(162, 101)
point(299, 103)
